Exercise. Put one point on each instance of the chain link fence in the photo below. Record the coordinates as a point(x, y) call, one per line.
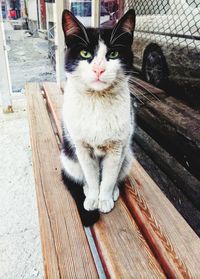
point(167, 39)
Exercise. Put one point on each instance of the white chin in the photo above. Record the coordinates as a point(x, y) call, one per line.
point(98, 85)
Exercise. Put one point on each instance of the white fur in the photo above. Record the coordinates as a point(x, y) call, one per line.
point(72, 168)
point(94, 119)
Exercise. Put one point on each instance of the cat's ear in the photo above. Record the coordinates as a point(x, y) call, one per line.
point(125, 25)
point(73, 28)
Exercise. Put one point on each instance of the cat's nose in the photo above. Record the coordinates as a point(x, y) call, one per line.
point(98, 70)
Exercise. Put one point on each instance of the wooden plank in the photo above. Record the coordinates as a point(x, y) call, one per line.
point(65, 248)
point(172, 240)
point(177, 141)
point(175, 111)
point(181, 177)
point(171, 122)
point(55, 102)
point(174, 194)
point(186, 119)
point(122, 248)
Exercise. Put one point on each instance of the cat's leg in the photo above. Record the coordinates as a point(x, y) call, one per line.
point(126, 165)
point(90, 169)
point(73, 178)
point(116, 193)
point(125, 168)
point(110, 172)
point(116, 189)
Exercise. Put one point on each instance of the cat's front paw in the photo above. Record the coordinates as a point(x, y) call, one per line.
point(90, 204)
point(106, 205)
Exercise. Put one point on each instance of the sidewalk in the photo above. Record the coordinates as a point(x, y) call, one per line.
point(20, 248)
point(28, 58)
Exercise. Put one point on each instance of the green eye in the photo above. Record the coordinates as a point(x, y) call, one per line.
point(85, 54)
point(114, 55)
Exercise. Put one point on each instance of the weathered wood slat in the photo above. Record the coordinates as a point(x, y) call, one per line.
point(122, 248)
point(181, 177)
point(186, 118)
point(172, 240)
point(65, 248)
point(175, 111)
point(171, 122)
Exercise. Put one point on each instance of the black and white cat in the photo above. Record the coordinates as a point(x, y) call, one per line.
point(97, 113)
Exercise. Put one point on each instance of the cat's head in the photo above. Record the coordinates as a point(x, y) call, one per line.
point(98, 57)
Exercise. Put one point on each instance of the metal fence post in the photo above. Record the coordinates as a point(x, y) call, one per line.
point(5, 82)
point(59, 40)
point(96, 13)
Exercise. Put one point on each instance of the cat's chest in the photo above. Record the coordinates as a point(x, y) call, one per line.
point(96, 121)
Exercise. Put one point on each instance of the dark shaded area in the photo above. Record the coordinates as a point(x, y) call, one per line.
point(175, 195)
point(187, 93)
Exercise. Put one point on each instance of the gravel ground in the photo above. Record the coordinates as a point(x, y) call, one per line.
point(20, 248)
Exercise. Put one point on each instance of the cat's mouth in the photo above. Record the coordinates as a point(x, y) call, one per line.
point(100, 81)
point(99, 84)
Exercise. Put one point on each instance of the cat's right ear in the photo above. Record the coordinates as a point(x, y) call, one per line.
point(73, 28)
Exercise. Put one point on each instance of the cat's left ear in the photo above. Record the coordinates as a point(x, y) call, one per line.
point(125, 25)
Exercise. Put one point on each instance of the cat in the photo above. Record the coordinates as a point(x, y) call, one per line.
point(98, 121)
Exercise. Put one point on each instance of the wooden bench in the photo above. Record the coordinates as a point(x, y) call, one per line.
point(176, 126)
point(143, 237)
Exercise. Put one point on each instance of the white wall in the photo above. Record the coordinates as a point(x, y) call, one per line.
point(49, 11)
point(32, 9)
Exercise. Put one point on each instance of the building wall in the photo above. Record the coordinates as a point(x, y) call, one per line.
point(32, 10)
point(49, 10)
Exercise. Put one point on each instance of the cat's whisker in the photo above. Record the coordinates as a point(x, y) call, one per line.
point(142, 94)
point(140, 85)
point(130, 72)
point(137, 96)
point(155, 97)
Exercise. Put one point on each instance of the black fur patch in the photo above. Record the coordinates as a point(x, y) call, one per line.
point(68, 147)
point(88, 218)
